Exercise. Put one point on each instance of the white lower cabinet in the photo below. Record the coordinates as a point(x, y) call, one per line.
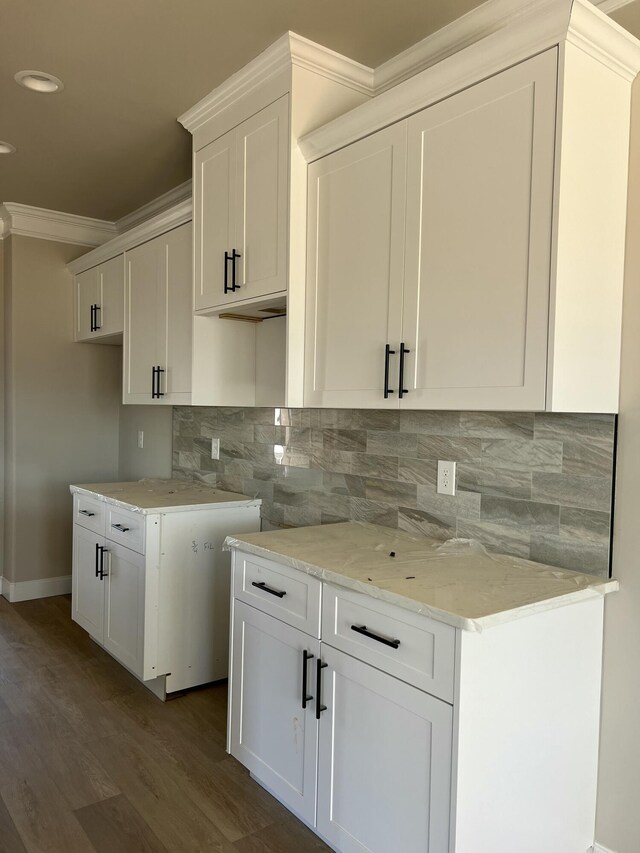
point(152, 586)
point(404, 733)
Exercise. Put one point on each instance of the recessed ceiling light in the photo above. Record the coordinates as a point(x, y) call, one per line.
point(39, 81)
point(7, 148)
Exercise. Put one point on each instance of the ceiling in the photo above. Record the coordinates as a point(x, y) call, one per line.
point(110, 142)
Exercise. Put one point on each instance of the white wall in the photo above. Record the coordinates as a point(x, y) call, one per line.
point(62, 409)
point(154, 459)
point(618, 818)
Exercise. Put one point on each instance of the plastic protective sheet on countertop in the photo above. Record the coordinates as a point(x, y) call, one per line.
point(148, 493)
point(457, 581)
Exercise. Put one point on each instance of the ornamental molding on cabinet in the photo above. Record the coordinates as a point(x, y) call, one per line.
point(26, 221)
point(158, 205)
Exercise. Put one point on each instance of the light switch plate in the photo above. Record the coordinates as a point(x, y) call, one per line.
point(215, 448)
point(140, 438)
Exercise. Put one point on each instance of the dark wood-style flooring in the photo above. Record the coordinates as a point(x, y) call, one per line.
point(91, 762)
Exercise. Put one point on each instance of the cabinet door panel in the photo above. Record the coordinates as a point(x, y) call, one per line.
point(111, 291)
point(86, 296)
point(176, 335)
point(261, 206)
point(214, 187)
point(270, 733)
point(145, 314)
point(355, 271)
point(124, 606)
point(479, 207)
point(384, 762)
point(88, 589)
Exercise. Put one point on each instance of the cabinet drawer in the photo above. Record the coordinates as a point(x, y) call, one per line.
point(289, 595)
point(411, 647)
point(89, 513)
point(127, 528)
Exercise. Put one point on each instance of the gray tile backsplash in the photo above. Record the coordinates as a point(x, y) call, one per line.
point(532, 485)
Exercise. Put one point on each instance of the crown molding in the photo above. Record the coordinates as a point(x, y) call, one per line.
point(494, 36)
point(154, 207)
point(609, 6)
point(26, 221)
point(595, 33)
point(160, 224)
point(511, 38)
point(290, 49)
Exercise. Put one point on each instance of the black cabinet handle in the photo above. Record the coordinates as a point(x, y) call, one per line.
point(262, 585)
point(101, 573)
point(319, 706)
point(227, 258)
point(156, 393)
point(86, 512)
point(96, 308)
point(97, 559)
point(234, 256)
point(402, 390)
point(387, 352)
point(93, 318)
point(362, 629)
point(306, 657)
point(121, 528)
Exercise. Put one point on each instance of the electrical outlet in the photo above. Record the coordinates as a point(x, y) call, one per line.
point(446, 478)
point(215, 448)
point(140, 438)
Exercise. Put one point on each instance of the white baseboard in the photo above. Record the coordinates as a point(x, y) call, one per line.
point(28, 590)
point(598, 848)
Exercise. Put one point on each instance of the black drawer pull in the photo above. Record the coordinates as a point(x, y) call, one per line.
point(85, 512)
point(102, 574)
point(306, 657)
point(262, 585)
point(319, 706)
point(97, 559)
point(121, 528)
point(362, 629)
point(402, 390)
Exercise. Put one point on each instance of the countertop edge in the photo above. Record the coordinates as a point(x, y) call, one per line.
point(249, 502)
point(475, 625)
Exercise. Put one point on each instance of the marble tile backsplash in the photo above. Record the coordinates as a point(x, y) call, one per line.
point(533, 485)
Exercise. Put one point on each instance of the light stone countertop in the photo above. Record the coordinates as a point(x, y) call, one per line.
point(147, 496)
point(457, 582)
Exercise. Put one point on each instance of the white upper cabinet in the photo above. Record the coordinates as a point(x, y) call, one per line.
point(429, 247)
point(241, 198)
point(99, 296)
point(515, 224)
point(158, 320)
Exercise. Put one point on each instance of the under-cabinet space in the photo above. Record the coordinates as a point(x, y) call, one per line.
point(239, 362)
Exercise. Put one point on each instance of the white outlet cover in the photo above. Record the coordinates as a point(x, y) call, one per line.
point(140, 438)
point(446, 478)
point(215, 448)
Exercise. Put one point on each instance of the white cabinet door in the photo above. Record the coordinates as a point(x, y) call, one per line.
point(270, 732)
point(86, 297)
point(241, 209)
point(262, 146)
point(213, 205)
point(145, 316)
point(479, 217)
point(124, 606)
point(87, 588)
point(355, 269)
point(111, 296)
point(384, 762)
point(158, 320)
